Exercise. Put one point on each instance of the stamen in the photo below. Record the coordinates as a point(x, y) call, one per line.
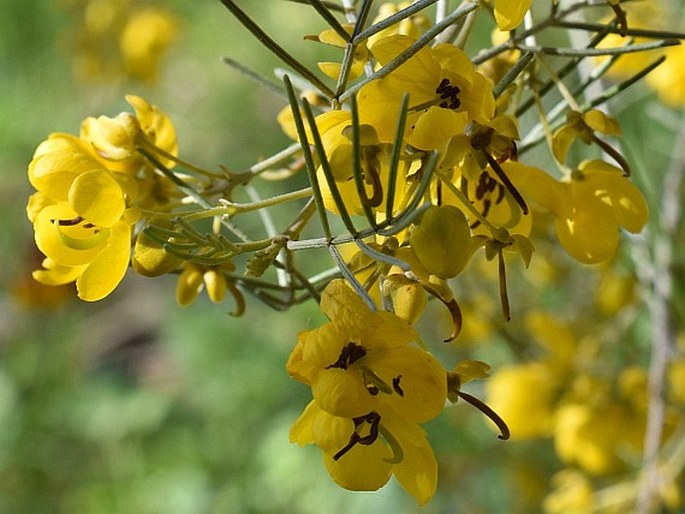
point(507, 183)
point(69, 223)
point(372, 177)
point(373, 419)
point(348, 355)
point(396, 385)
point(448, 93)
point(485, 409)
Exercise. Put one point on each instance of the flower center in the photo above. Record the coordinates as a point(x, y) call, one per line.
point(360, 426)
point(348, 355)
point(448, 94)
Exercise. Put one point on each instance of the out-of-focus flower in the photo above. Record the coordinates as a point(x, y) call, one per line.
point(123, 39)
point(668, 79)
point(144, 40)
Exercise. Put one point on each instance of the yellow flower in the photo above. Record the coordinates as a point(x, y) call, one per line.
point(597, 438)
point(361, 361)
point(445, 94)
point(572, 494)
point(583, 126)
point(144, 40)
point(589, 207)
point(361, 453)
point(668, 80)
point(371, 391)
point(524, 395)
point(80, 216)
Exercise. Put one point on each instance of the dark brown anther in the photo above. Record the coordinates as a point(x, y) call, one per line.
point(396, 385)
point(373, 419)
point(448, 93)
point(348, 355)
point(69, 223)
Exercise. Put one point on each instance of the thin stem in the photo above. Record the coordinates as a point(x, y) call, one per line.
point(395, 157)
point(593, 52)
point(271, 86)
point(277, 158)
point(274, 47)
point(152, 148)
point(326, 168)
point(357, 166)
point(351, 279)
point(513, 72)
point(598, 27)
point(326, 14)
point(309, 159)
point(392, 20)
point(659, 279)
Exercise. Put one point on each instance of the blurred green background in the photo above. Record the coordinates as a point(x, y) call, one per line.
point(136, 405)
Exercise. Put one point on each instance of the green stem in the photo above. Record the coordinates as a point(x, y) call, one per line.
point(392, 20)
point(274, 47)
point(326, 14)
point(593, 52)
point(231, 209)
point(309, 159)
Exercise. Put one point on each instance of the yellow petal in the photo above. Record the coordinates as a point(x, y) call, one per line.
point(215, 283)
point(97, 197)
point(417, 473)
point(509, 13)
point(536, 184)
point(599, 121)
point(562, 140)
point(436, 126)
point(590, 235)
point(54, 274)
point(330, 69)
point(301, 431)
point(66, 245)
point(108, 268)
point(363, 468)
point(341, 392)
point(57, 162)
point(418, 380)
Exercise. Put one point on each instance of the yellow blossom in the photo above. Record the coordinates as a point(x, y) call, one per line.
point(445, 93)
point(589, 207)
point(361, 361)
point(145, 38)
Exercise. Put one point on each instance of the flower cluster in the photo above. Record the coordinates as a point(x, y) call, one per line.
point(124, 39)
point(424, 145)
point(90, 192)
